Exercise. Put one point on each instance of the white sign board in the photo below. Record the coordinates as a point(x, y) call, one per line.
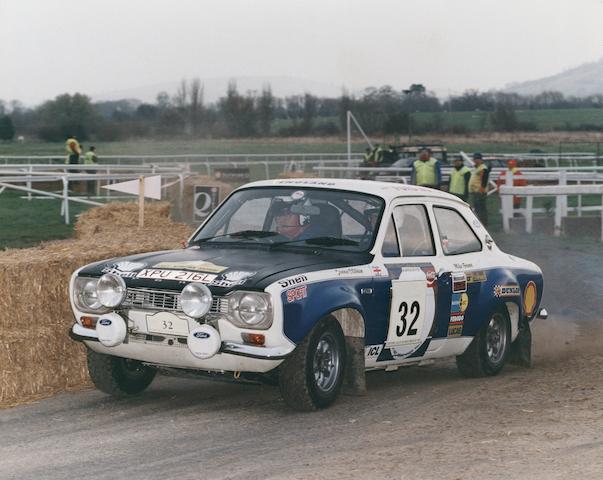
point(152, 187)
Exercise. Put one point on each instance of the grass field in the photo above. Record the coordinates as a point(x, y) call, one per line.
point(25, 223)
point(542, 119)
point(552, 142)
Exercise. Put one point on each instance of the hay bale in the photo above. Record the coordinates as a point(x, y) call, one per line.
point(117, 215)
point(37, 358)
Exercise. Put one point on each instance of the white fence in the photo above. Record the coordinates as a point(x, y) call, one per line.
point(586, 183)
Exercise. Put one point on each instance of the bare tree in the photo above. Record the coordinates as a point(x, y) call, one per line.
point(266, 110)
point(196, 105)
point(181, 94)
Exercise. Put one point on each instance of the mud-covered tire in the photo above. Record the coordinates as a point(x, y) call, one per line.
point(489, 351)
point(118, 376)
point(305, 379)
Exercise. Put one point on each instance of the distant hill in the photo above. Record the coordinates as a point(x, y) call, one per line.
point(587, 79)
point(214, 88)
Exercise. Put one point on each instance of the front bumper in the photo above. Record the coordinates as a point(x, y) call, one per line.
point(231, 357)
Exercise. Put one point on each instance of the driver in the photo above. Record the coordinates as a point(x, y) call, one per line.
point(289, 224)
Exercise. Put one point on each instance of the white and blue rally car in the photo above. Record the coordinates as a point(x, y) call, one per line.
point(310, 283)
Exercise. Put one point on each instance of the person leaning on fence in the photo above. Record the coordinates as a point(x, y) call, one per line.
point(90, 158)
point(74, 150)
point(459, 179)
point(426, 171)
point(517, 182)
point(478, 184)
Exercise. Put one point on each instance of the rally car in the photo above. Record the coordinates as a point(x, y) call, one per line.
point(309, 283)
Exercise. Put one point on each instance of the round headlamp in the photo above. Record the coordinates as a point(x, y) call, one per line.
point(195, 300)
point(252, 309)
point(111, 290)
point(88, 295)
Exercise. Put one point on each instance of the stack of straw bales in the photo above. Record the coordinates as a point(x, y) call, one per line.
point(37, 357)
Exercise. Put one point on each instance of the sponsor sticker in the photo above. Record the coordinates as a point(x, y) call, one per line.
point(476, 276)
point(124, 269)
point(378, 271)
point(298, 195)
point(350, 271)
point(288, 282)
point(455, 330)
point(201, 335)
point(459, 282)
point(232, 278)
point(297, 293)
point(458, 305)
point(177, 275)
point(511, 290)
point(529, 298)
point(196, 266)
point(372, 351)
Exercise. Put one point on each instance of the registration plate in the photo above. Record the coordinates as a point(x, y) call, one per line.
point(167, 324)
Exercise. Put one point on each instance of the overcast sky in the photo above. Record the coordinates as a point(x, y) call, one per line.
point(48, 47)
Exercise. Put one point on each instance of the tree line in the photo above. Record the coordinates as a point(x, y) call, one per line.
point(262, 114)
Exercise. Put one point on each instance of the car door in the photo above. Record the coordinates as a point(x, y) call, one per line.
point(464, 269)
point(413, 264)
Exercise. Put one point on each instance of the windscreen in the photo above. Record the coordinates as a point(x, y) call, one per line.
point(316, 218)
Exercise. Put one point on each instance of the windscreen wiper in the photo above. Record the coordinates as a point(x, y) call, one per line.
point(246, 234)
point(321, 241)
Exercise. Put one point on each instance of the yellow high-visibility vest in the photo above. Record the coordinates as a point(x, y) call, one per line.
point(425, 172)
point(457, 180)
point(475, 182)
point(90, 158)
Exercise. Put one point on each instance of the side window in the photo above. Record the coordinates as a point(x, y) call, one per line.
point(414, 231)
point(455, 234)
point(390, 246)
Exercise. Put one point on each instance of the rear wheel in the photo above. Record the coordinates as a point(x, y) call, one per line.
point(489, 350)
point(310, 378)
point(118, 376)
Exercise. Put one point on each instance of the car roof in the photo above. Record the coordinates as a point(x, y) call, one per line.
point(386, 190)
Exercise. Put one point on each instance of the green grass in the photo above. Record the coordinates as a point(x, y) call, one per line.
point(544, 120)
point(24, 223)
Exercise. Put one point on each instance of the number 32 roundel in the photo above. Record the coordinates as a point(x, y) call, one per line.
point(408, 322)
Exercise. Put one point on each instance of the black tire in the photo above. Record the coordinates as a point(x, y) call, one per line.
point(118, 376)
point(486, 356)
point(303, 384)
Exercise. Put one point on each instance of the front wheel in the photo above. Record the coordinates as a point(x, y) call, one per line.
point(489, 350)
point(118, 376)
point(311, 377)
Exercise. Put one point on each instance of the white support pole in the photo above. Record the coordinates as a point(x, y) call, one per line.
point(529, 213)
point(66, 199)
point(29, 183)
point(579, 204)
point(507, 204)
point(349, 131)
point(141, 202)
point(558, 214)
point(563, 182)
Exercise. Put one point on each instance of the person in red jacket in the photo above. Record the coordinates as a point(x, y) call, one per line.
point(517, 180)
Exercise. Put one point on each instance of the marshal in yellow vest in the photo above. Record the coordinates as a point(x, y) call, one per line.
point(457, 180)
point(425, 172)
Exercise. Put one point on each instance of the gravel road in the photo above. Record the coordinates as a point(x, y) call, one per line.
point(418, 422)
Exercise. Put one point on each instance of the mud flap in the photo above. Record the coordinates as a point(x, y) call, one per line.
point(354, 380)
point(521, 348)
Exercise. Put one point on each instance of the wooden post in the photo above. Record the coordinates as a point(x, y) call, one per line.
point(141, 202)
point(529, 206)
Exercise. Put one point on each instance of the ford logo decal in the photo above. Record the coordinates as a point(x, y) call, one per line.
point(201, 335)
point(105, 322)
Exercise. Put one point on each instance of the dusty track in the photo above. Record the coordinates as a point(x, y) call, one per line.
point(419, 422)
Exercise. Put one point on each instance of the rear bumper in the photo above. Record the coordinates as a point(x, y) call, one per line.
point(231, 357)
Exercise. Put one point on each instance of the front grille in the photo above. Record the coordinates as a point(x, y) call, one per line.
point(147, 299)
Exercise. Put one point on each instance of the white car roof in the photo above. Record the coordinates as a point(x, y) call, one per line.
point(387, 190)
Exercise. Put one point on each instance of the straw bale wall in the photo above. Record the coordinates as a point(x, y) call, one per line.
point(37, 357)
